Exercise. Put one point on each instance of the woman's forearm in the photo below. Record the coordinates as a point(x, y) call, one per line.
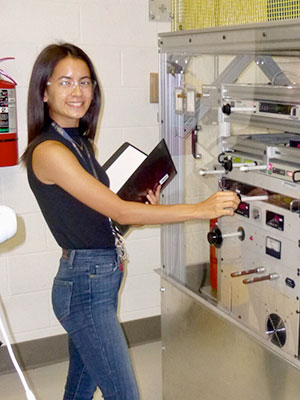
point(217, 205)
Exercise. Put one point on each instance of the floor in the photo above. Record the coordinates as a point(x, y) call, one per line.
point(47, 382)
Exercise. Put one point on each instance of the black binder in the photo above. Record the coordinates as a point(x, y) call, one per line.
point(155, 169)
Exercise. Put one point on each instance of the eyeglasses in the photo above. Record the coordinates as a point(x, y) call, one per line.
point(68, 84)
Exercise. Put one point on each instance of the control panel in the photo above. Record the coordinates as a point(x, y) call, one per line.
point(262, 108)
point(259, 263)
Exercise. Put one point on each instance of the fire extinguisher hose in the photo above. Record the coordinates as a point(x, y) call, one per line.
point(4, 73)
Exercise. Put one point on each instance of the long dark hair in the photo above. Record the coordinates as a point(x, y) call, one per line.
point(37, 110)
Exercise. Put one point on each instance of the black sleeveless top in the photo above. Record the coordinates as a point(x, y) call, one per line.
point(73, 224)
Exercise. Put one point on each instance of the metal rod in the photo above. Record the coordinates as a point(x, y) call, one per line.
point(242, 109)
point(258, 270)
point(255, 168)
point(269, 277)
point(233, 234)
point(239, 165)
point(204, 172)
point(255, 198)
point(277, 330)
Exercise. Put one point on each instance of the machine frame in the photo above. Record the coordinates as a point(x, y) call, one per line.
point(189, 347)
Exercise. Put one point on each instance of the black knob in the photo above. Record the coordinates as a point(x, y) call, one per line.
point(226, 109)
point(227, 164)
point(215, 237)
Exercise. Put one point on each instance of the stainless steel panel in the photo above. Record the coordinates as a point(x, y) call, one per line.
point(286, 94)
point(262, 122)
point(172, 256)
point(207, 357)
point(278, 37)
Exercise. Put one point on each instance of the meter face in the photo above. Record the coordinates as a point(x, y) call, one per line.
point(273, 247)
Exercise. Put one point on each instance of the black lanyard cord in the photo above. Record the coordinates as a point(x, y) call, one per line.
point(75, 145)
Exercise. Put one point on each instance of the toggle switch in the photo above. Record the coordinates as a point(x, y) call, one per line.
point(256, 213)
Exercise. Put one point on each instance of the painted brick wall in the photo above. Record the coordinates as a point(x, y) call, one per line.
point(123, 45)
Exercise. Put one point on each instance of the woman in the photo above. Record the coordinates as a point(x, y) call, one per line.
point(72, 191)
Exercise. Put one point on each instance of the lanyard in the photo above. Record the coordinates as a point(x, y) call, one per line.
point(66, 136)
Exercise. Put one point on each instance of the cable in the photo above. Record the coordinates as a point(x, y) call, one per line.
point(8, 228)
point(29, 394)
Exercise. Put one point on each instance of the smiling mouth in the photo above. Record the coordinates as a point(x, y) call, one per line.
point(76, 104)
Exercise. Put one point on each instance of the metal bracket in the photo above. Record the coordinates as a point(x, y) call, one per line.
point(160, 10)
point(271, 69)
point(195, 153)
point(204, 105)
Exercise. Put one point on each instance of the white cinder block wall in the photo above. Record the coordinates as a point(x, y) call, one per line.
point(123, 45)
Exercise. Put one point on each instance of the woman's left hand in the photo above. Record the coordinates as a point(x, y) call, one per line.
point(154, 198)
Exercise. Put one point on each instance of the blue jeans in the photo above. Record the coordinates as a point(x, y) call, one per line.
point(85, 300)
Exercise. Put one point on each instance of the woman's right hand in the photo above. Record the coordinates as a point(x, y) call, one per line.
point(218, 205)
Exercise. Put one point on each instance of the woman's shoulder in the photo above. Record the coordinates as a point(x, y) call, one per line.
point(47, 139)
point(47, 146)
point(43, 144)
point(51, 160)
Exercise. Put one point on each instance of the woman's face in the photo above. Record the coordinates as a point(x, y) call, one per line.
point(69, 92)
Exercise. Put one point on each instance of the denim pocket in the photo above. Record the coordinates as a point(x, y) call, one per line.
point(105, 265)
point(61, 298)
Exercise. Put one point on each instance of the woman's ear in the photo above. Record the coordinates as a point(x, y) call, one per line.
point(45, 98)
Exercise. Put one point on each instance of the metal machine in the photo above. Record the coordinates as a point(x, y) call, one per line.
point(259, 248)
point(234, 126)
point(259, 253)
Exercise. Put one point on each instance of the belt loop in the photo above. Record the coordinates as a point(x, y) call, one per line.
point(71, 258)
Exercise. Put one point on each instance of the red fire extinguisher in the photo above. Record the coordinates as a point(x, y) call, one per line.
point(8, 120)
point(213, 260)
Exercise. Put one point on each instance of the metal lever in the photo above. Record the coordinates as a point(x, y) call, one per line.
point(254, 198)
point(215, 236)
point(269, 277)
point(204, 172)
point(228, 109)
point(228, 165)
point(233, 234)
point(258, 270)
point(255, 168)
point(239, 165)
